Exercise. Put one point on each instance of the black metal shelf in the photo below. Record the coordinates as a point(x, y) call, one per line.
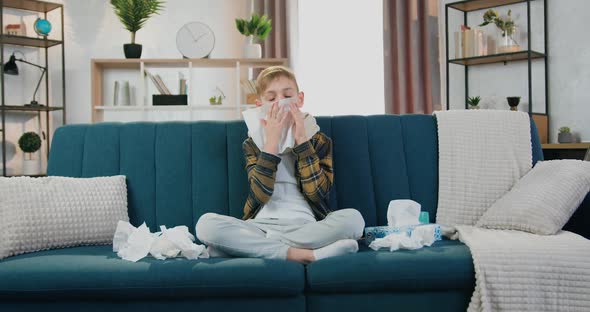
point(29, 41)
point(474, 5)
point(497, 58)
point(40, 8)
point(31, 5)
point(22, 175)
point(17, 108)
point(527, 54)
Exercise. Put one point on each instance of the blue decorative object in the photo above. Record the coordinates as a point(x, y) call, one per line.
point(424, 217)
point(42, 27)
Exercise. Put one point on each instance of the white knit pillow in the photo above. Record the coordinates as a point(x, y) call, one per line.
point(56, 212)
point(543, 200)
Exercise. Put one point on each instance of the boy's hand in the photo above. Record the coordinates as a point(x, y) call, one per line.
point(298, 117)
point(273, 126)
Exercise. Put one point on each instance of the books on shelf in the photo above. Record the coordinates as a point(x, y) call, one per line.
point(161, 86)
point(249, 86)
point(470, 42)
point(182, 87)
point(158, 82)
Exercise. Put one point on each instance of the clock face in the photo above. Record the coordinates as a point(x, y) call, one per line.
point(195, 40)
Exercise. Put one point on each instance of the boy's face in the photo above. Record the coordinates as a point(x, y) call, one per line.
point(278, 89)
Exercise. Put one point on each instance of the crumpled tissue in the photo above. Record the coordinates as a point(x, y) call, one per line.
point(410, 238)
point(253, 116)
point(403, 212)
point(133, 244)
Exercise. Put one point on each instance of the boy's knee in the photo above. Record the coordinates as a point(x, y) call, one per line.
point(353, 221)
point(205, 228)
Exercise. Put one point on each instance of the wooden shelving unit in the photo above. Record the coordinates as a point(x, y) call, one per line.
point(41, 8)
point(100, 66)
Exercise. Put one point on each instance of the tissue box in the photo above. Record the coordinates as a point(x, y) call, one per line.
point(381, 231)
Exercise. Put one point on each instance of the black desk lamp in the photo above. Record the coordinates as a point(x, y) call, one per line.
point(10, 68)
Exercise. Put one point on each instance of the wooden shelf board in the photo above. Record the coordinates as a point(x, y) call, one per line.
point(135, 63)
point(17, 108)
point(29, 41)
point(170, 107)
point(22, 175)
point(581, 146)
point(31, 5)
point(497, 58)
point(474, 5)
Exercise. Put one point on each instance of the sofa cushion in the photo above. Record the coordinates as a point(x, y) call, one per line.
point(445, 265)
point(57, 212)
point(96, 272)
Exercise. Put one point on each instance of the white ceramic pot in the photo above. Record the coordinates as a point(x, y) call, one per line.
point(31, 167)
point(251, 49)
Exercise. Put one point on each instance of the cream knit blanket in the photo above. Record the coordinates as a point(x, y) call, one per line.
point(519, 271)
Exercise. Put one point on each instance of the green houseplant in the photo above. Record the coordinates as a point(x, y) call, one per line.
point(30, 142)
point(217, 100)
point(565, 135)
point(473, 102)
point(133, 14)
point(257, 28)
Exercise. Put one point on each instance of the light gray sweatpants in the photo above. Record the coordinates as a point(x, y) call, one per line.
point(271, 238)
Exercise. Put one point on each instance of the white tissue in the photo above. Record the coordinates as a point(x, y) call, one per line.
point(253, 116)
point(134, 244)
point(137, 245)
point(403, 212)
point(423, 235)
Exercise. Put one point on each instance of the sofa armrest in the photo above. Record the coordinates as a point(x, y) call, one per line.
point(580, 222)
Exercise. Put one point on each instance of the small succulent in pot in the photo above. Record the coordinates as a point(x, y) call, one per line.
point(565, 135)
point(473, 102)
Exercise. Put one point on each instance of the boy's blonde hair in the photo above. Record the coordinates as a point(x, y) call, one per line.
point(271, 73)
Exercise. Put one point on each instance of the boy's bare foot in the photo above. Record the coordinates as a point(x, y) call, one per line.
point(304, 256)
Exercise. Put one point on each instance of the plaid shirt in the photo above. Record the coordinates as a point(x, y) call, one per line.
point(313, 171)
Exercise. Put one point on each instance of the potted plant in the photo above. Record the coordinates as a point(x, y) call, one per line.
point(257, 28)
point(506, 25)
point(133, 14)
point(30, 142)
point(473, 102)
point(513, 102)
point(217, 100)
point(565, 135)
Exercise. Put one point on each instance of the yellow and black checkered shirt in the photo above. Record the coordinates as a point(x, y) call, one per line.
point(313, 171)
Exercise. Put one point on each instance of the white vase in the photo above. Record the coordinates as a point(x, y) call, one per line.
point(507, 44)
point(31, 166)
point(251, 49)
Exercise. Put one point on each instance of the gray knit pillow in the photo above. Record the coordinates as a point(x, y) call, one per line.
point(56, 212)
point(543, 200)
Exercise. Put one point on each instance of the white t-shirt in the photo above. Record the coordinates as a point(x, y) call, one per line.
point(286, 202)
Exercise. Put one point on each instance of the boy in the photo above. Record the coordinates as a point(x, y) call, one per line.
point(286, 213)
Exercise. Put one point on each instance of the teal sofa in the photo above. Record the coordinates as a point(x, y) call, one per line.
point(178, 171)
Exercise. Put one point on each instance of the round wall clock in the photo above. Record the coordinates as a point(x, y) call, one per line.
point(195, 40)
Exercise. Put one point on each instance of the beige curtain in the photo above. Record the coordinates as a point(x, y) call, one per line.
point(276, 45)
point(411, 58)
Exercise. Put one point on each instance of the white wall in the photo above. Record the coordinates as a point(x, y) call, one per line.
point(568, 62)
point(92, 30)
point(340, 63)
